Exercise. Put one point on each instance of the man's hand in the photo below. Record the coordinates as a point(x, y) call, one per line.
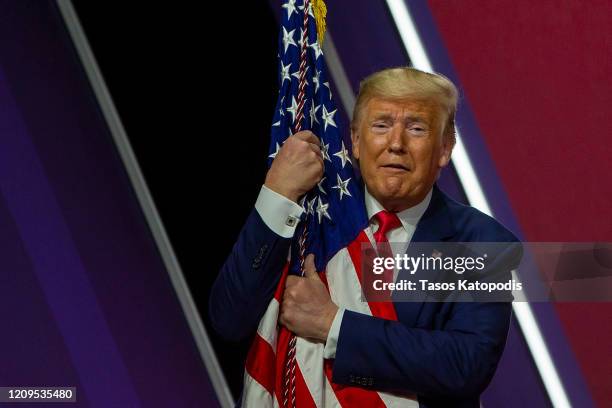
point(297, 167)
point(307, 309)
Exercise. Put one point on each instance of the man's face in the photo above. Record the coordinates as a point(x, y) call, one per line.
point(401, 148)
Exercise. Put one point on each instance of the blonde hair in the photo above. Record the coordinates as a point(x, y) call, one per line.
point(403, 83)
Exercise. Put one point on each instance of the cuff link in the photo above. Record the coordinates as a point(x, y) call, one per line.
point(291, 221)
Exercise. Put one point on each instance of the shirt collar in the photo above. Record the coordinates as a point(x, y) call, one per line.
point(408, 217)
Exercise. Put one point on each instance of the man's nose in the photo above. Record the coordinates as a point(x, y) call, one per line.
point(397, 142)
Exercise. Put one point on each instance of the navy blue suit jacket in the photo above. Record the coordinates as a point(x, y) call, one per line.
point(444, 352)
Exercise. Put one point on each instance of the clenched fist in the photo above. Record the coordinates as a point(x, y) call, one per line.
point(298, 166)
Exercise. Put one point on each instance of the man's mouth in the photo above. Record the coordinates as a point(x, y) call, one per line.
point(396, 166)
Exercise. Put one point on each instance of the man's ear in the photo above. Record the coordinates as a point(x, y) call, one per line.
point(448, 142)
point(355, 143)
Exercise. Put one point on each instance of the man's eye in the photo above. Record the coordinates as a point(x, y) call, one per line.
point(380, 126)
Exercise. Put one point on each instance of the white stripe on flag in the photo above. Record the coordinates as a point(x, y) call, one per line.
point(267, 325)
point(344, 285)
point(255, 395)
point(330, 400)
point(309, 356)
point(394, 401)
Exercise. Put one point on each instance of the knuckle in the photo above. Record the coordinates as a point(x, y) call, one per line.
point(286, 316)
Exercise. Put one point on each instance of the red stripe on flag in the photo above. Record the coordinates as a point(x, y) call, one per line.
point(261, 359)
point(302, 393)
point(303, 398)
point(386, 310)
point(260, 363)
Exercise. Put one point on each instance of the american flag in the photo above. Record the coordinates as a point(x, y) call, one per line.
point(335, 219)
point(334, 209)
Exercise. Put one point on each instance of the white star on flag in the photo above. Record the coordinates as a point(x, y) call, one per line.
point(300, 40)
point(342, 186)
point(288, 38)
point(285, 73)
point(315, 80)
point(328, 118)
point(322, 210)
point(309, 9)
point(290, 7)
point(317, 50)
point(313, 114)
point(320, 185)
point(280, 111)
point(311, 203)
point(325, 150)
point(293, 109)
point(343, 154)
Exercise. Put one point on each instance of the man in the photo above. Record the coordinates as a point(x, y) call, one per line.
point(403, 135)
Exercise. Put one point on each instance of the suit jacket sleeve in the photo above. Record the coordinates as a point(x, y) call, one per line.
point(247, 281)
point(455, 361)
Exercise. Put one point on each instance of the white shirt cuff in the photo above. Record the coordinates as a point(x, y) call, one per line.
point(278, 212)
point(332, 337)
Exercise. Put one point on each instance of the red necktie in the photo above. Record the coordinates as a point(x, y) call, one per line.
point(387, 221)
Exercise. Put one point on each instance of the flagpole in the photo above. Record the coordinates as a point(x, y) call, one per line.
point(289, 380)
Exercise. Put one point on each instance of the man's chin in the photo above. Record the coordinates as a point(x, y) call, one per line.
point(393, 188)
point(390, 196)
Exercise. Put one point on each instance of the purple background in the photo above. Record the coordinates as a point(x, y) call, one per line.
point(85, 299)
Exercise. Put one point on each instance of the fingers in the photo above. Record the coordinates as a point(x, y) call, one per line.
point(292, 280)
point(297, 167)
point(310, 270)
point(307, 136)
point(312, 141)
point(315, 148)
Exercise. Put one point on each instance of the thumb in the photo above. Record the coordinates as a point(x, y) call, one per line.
point(310, 270)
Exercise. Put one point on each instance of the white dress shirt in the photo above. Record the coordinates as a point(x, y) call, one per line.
point(281, 215)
